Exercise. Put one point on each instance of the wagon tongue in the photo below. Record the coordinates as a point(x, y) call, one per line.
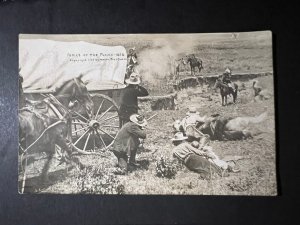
point(94, 124)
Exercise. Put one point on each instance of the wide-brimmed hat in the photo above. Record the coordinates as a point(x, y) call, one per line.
point(227, 70)
point(179, 137)
point(192, 110)
point(138, 119)
point(133, 79)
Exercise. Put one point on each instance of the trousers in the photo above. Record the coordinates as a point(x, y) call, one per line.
point(201, 165)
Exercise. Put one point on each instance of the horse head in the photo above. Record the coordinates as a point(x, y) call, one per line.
point(217, 83)
point(75, 92)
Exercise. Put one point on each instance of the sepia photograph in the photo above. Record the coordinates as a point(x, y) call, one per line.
point(147, 114)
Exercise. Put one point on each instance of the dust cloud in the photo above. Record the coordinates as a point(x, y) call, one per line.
point(160, 60)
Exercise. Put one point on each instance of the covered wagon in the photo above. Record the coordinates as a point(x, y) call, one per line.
point(46, 64)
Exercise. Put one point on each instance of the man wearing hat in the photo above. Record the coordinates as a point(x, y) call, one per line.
point(213, 158)
point(132, 57)
point(191, 123)
point(131, 61)
point(128, 140)
point(194, 159)
point(129, 97)
point(226, 78)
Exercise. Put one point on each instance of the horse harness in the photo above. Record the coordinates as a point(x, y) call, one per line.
point(51, 102)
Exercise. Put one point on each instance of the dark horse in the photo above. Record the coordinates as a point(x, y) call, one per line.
point(194, 62)
point(226, 90)
point(46, 123)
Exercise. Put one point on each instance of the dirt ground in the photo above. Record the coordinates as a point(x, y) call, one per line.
point(257, 175)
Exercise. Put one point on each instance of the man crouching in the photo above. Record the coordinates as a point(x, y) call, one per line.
point(127, 141)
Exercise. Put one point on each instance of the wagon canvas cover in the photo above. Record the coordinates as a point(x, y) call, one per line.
point(46, 64)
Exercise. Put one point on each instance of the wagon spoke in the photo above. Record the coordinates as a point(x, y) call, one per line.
point(112, 117)
point(76, 131)
point(81, 137)
point(110, 126)
point(101, 139)
point(81, 116)
point(99, 108)
point(81, 123)
point(105, 112)
point(86, 142)
point(94, 141)
point(106, 133)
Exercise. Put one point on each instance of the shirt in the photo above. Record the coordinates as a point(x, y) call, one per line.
point(192, 119)
point(127, 138)
point(130, 94)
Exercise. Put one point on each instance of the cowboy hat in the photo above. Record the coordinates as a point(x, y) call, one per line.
point(138, 119)
point(227, 70)
point(192, 110)
point(179, 137)
point(133, 79)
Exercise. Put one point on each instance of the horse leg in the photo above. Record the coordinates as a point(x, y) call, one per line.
point(45, 170)
point(222, 97)
point(61, 141)
point(234, 96)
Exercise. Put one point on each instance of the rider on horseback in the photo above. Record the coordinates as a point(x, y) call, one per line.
point(226, 78)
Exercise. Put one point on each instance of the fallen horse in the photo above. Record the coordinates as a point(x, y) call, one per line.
point(222, 128)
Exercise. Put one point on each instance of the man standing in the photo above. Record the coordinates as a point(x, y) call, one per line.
point(129, 98)
point(128, 140)
point(131, 62)
point(132, 57)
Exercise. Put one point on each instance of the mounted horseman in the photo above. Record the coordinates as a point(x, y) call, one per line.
point(194, 63)
point(226, 87)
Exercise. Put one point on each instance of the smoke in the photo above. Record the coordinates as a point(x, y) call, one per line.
point(159, 60)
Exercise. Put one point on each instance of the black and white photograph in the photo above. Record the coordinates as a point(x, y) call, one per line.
point(147, 114)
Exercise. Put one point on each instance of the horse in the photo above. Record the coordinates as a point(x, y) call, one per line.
point(220, 128)
point(225, 90)
point(47, 123)
point(194, 62)
point(178, 64)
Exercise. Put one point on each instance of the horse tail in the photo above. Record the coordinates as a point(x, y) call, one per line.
point(260, 118)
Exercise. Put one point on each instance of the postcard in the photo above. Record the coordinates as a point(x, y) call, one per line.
point(147, 114)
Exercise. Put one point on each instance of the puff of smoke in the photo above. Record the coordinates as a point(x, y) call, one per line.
point(159, 61)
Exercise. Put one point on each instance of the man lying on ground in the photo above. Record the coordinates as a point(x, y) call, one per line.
point(202, 161)
point(213, 158)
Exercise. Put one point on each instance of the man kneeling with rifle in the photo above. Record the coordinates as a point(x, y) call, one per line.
point(128, 140)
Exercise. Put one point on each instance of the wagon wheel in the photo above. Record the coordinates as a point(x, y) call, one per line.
point(96, 134)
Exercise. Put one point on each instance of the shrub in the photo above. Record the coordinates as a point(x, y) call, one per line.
point(165, 168)
point(97, 181)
